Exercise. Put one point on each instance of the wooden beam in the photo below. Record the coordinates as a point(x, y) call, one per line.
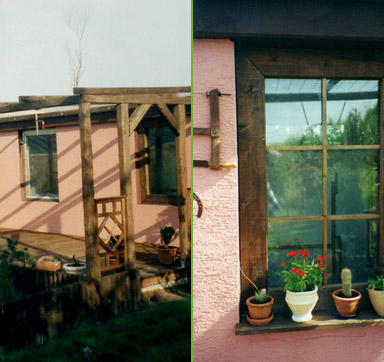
point(89, 205)
point(173, 123)
point(41, 98)
point(252, 174)
point(381, 175)
point(145, 90)
point(126, 179)
point(181, 175)
point(136, 98)
point(54, 102)
point(137, 115)
point(215, 128)
point(312, 97)
point(201, 131)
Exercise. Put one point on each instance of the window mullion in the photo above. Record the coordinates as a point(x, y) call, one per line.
point(324, 124)
point(381, 172)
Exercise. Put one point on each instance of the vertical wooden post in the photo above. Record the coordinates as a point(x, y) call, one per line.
point(181, 174)
point(90, 216)
point(126, 180)
point(215, 128)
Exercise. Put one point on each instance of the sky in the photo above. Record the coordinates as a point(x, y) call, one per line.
point(128, 43)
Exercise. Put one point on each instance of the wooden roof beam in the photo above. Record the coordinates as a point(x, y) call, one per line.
point(145, 90)
point(38, 104)
point(137, 115)
point(136, 98)
point(42, 98)
point(172, 121)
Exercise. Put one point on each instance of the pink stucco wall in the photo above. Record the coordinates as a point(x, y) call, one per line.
point(66, 216)
point(216, 281)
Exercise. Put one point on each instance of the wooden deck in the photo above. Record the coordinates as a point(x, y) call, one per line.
point(64, 247)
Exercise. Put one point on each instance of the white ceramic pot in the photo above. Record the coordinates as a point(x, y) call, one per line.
point(301, 304)
point(69, 268)
point(377, 300)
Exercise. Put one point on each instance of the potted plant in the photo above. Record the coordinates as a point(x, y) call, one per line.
point(376, 294)
point(75, 267)
point(167, 254)
point(346, 299)
point(49, 263)
point(302, 278)
point(259, 306)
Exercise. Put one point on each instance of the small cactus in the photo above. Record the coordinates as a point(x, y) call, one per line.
point(346, 279)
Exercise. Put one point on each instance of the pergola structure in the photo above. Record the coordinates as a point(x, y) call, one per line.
point(171, 102)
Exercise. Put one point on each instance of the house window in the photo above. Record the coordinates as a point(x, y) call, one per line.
point(40, 165)
point(157, 163)
point(323, 175)
point(310, 160)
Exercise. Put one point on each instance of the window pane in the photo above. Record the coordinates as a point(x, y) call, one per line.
point(353, 182)
point(352, 244)
point(42, 165)
point(294, 183)
point(293, 112)
point(352, 112)
point(162, 161)
point(284, 237)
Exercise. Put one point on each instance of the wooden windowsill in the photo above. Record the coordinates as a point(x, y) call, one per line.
point(282, 322)
point(324, 315)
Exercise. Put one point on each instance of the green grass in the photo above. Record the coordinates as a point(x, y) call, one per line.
point(157, 332)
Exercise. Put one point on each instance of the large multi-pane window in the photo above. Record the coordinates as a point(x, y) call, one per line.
point(40, 165)
point(322, 153)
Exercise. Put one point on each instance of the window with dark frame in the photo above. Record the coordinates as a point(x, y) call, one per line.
point(40, 165)
point(311, 120)
point(157, 163)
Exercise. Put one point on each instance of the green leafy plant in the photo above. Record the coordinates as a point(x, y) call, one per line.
point(261, 296)
point(376, 284)
point(52, 259)
point(299, 273)
point(167, 234)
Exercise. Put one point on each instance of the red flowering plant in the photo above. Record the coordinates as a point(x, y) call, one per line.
point(301, 275)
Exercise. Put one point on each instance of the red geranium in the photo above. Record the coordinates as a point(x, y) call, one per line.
point(301, 274)
point(282, 263)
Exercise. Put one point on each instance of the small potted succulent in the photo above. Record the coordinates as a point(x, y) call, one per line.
point(259, 306)
point(167, 254)
point(49, 263)
point(75, 267)
point(376, 294)
point(346, 299)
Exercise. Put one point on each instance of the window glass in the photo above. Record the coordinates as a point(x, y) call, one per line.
point(352, 112)
point(293, 112)
point(41, 164)
point(162, 161)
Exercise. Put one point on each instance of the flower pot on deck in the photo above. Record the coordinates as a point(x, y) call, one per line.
point(167, 255)
point(259, 314)
point(77, 269)
point(301, 304)
point(48, 263)
point(377, 300)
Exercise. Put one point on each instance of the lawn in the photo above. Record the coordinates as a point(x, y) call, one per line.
point(157, 332)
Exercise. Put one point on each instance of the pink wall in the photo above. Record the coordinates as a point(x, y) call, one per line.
point(216, 283)
point(66, 216)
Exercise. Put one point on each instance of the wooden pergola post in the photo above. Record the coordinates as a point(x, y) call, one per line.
point(181, 175)
point(123, 131)
point(90, 214)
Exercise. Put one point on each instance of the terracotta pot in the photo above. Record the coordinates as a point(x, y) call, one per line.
point(377, 300)
point(301, 304)
point(259, 314)
point(45, 263)
point(346, 307)
point(167, 255)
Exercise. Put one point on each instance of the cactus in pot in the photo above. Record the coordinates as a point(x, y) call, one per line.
point(346, 299)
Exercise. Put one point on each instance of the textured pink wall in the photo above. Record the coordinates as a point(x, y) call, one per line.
point(216, 283)
point(66, 216)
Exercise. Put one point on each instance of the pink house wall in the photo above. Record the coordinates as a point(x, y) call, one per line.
point(66, 216)
point(216, 273)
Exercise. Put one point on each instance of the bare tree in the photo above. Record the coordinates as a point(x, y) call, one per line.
point(77, 23)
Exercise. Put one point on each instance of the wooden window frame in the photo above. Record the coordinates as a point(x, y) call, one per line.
point(24, 168)
point(253, 65)
point(143, 190)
